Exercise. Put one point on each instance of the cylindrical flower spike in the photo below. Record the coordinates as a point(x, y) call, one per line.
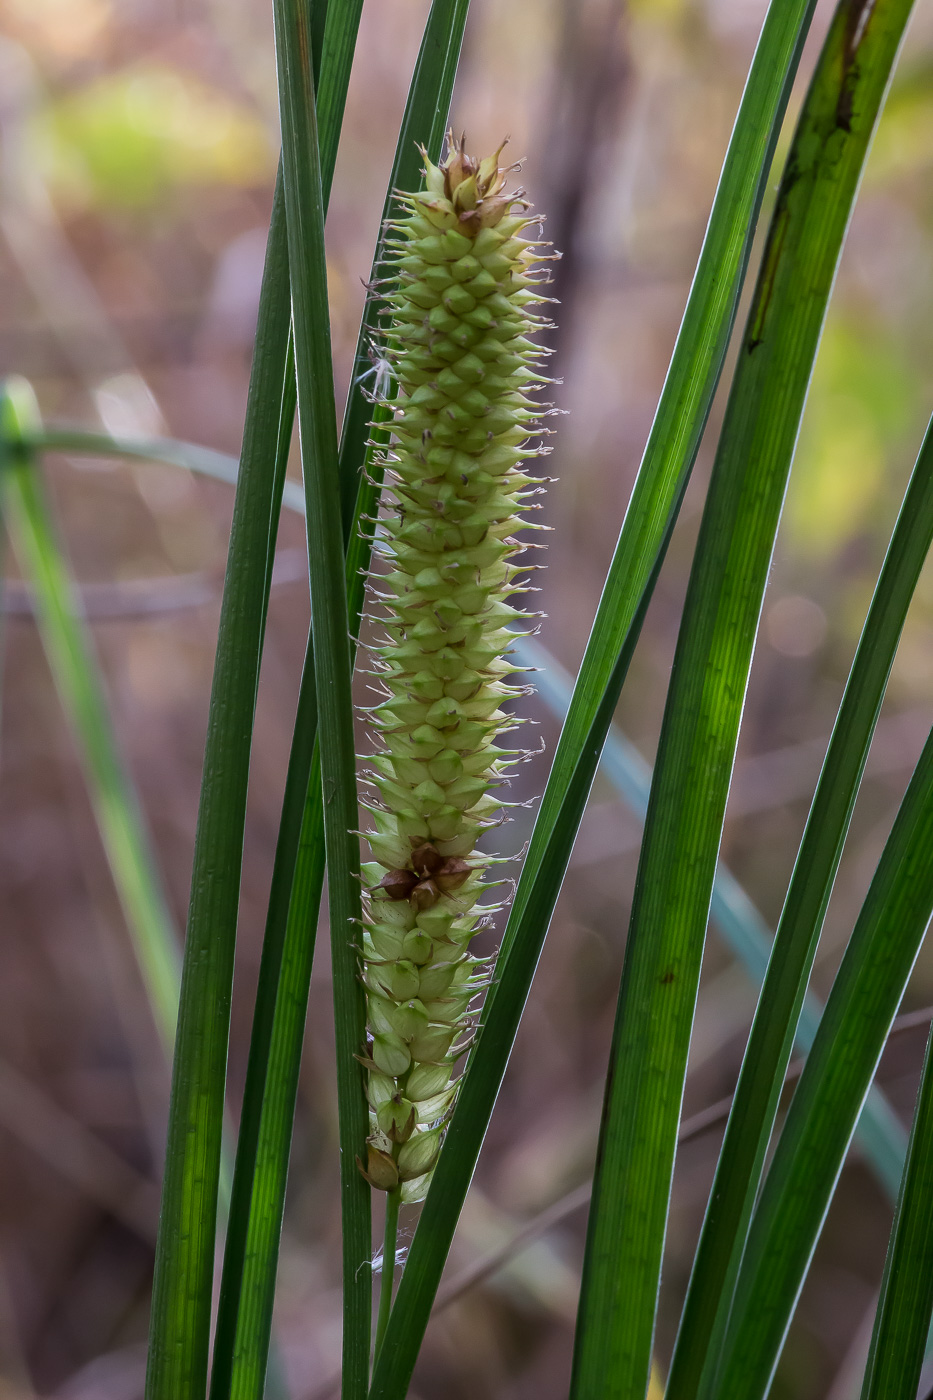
point(463, 293)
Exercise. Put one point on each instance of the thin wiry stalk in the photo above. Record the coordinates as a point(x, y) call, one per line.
point(70, 651)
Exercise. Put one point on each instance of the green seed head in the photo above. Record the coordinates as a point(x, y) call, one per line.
point(462, 293)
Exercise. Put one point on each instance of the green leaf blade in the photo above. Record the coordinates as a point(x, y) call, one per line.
point(179, 1330)
point(822, 1115)
point(250, 1260)
point(696, 752)
point(243, 1375)
point(776, 1021)
point(247, 1285)
point(180, 1321)
point(856, 81)
point(741, 927)
point(331, 651)
point(665, 469)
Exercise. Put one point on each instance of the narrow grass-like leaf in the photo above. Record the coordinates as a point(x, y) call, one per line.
point(184, 1262)
point(303, 744)
point(338, 42)
point(330, 629)
point(275, 1050)
point(241, 1353)
point(150, 926)
point(902, 1323)
point(668, 459)
point(71, 656)
point(757, 1094)
point(424, 121)
point(813, 1143)
point(250, 1259)
point(741, 926)
point(180, 1319)
point(696, 750)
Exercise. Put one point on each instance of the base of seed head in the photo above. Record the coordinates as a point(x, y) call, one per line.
point(462, 290)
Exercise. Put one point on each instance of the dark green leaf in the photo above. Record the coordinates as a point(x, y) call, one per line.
point(741, 926)
point(269, 1099)
point(696, 750)
point(185, 1254)
point(331, 650)
point(769, 1047)
point(299, 791)
point(823, 1112)
point(668, 459)
point(180, 1321)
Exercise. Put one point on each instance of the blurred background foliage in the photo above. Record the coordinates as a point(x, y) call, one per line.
point(138, 151)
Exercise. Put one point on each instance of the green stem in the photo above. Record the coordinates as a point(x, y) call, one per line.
point(393, 1200)
point(69, 649)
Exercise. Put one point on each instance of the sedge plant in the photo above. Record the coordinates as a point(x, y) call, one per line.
point(440, 429)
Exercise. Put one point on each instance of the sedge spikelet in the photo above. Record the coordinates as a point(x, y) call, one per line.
point(462, 291)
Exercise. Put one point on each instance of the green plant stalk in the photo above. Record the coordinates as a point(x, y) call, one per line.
point(330, 78)
point(696, 751)
point(279, 483)
point(819, 1124)
point(70, 652)
point(247, 1287)
point(902, 1322)
point(240, 1362)
point(697, 746)
point(669, 456)
point(330, 628)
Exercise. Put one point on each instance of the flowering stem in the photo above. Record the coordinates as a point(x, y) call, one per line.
point(464, 286)
point(393, 1199)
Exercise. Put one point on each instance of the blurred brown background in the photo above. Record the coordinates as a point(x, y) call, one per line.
point(138, 149)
